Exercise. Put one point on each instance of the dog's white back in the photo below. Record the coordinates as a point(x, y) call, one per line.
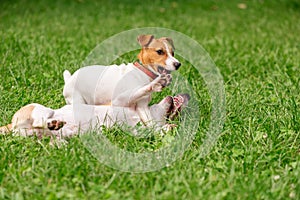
point(99, 85)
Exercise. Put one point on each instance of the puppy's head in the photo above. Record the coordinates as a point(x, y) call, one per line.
point(158, 53)
point(31, 116)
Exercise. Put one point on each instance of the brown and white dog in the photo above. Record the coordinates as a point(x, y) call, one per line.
point(36, 119)
point(126, 85)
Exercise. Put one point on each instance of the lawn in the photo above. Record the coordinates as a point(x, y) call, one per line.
point(256, 46)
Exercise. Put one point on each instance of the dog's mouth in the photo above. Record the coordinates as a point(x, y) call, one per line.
point(163, 70)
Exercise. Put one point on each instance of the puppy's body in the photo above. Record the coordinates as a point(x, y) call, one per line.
point(125, 85)
point(70, 119)
point(103, 85)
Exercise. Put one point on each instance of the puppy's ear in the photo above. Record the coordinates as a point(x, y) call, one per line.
point(145, 40)
point(170, 41)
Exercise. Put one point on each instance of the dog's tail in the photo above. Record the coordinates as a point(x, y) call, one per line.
point(5, 129)
point(67, 75)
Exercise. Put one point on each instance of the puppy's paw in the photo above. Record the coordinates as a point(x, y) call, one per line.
point(157, 87)
point(165, 79)
point(55, 124)
point(160, 82)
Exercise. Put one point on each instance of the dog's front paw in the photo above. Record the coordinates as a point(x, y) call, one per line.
point(161, 81)
point(165, 79)
point(157, 87)
point(55, 124)
point(157, 84)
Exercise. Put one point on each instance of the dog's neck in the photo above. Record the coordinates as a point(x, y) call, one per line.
point(146, 70)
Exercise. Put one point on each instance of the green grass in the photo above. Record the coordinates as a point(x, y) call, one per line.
point(257, 50)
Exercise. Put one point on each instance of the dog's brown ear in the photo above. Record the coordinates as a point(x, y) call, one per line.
point(145, 40)
point(170, 41)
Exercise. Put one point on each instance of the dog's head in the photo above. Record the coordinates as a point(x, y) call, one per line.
point(31, 116)
point(158, 53)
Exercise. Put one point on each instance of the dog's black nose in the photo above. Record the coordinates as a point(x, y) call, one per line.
point(177, 65)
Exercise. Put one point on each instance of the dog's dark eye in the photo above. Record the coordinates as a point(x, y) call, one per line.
point(160, 52)
point(172, 53)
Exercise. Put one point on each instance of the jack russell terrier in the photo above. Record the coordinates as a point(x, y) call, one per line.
point(128, 85)
point(36, 119)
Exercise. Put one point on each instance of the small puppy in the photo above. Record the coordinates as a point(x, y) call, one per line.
point(127, 83)
point(36, 119)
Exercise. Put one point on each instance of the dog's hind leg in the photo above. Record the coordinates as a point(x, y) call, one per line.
point(76, 98)
point(161, 110)
point(179, 102)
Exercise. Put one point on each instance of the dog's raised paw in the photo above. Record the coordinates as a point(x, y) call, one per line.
point(165, 79)
point(157, 87)
point(55, 124)
point(160, 82)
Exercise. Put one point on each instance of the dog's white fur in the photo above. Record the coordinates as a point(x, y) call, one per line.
point(124, 85)
point(114, 94)
point(33, 119)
